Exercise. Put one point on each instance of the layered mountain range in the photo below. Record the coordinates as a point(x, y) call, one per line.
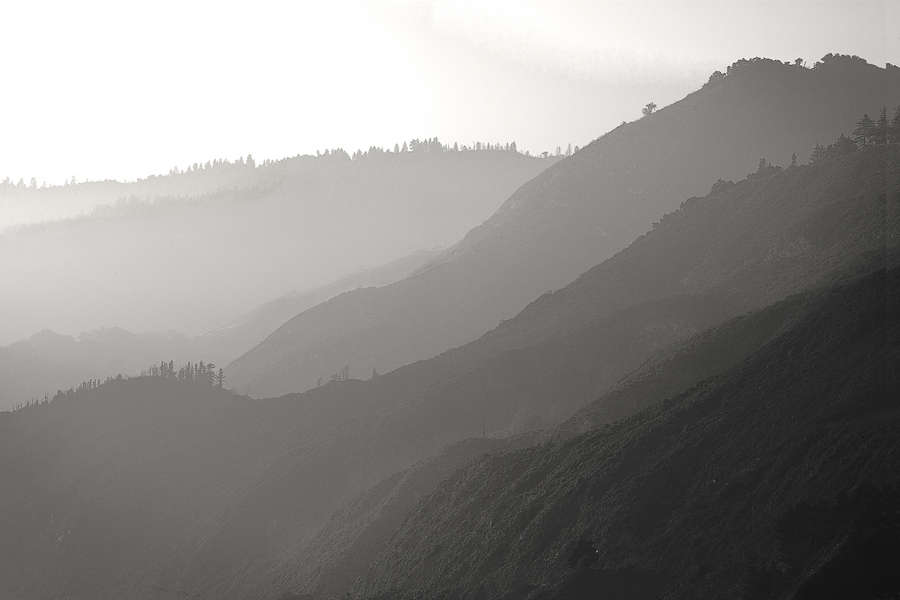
point(573, 216)
point(704, 406)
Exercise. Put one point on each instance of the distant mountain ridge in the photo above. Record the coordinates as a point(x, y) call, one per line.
point(840, 212)
point(272, 472)
point(574, 215)
point(229, 238)
point(558, 354)
point(47, 361)
point(344, 554)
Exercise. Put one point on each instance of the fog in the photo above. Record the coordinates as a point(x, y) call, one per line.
point(456, 299)
point(190, 251)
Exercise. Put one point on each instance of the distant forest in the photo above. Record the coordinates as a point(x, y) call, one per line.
point(191, 372)
point(222, 165)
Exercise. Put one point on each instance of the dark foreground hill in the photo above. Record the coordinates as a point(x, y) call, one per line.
point(109, 492)
point(233, 490)
point(343, 552)
point(572, 216)
point(756, 241)
point(777, 479)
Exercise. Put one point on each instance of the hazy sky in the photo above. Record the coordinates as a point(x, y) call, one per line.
point(119, 89)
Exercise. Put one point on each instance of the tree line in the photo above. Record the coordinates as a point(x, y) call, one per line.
point(199, 372)
point(867, 133)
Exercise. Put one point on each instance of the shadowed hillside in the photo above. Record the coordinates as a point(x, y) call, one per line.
point(574, 215)
point(297, 458)
point(837, 212)
point(109, 491)
point(776, 479)
point(343, 552)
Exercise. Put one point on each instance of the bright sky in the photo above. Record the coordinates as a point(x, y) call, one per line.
point(118, 89)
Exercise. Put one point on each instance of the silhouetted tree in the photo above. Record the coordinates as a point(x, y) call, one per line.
point(716, 77)
point(882, 127)
point(894, 133)
point(865, 130)
point(817, 154)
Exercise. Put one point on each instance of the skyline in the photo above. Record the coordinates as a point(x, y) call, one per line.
point(537, 74)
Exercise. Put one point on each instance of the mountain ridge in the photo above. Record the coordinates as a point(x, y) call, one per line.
point(637, 494)
point(571, 217)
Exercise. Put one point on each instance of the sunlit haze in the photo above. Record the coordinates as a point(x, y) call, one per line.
point(120, 90)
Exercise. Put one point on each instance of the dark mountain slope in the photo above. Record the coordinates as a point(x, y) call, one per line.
point(504, 385)
point(291, 461)
point(110, 493)
point(750, 243)
point(762, 482)
point(575, 214)
point(343, 551)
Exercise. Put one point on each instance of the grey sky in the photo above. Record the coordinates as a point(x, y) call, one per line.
point(116, 89)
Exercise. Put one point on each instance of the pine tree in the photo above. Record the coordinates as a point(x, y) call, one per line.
point(894, 131)
point(881, 128)
point(818, 154)
point(844, 145)
point(865, 129)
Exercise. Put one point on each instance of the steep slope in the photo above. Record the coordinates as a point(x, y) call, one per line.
point(342, 553)
point(296, 458)
point(344, 548)
point(227, 343)
point(777, 479)
point(758, 240)
point(191, 262)
point(571, 217)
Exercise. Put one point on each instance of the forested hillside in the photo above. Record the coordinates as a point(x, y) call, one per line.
point(574, 215)
point(840, 213)
point(843, 213)
point(167, 486)
point(777, 479)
